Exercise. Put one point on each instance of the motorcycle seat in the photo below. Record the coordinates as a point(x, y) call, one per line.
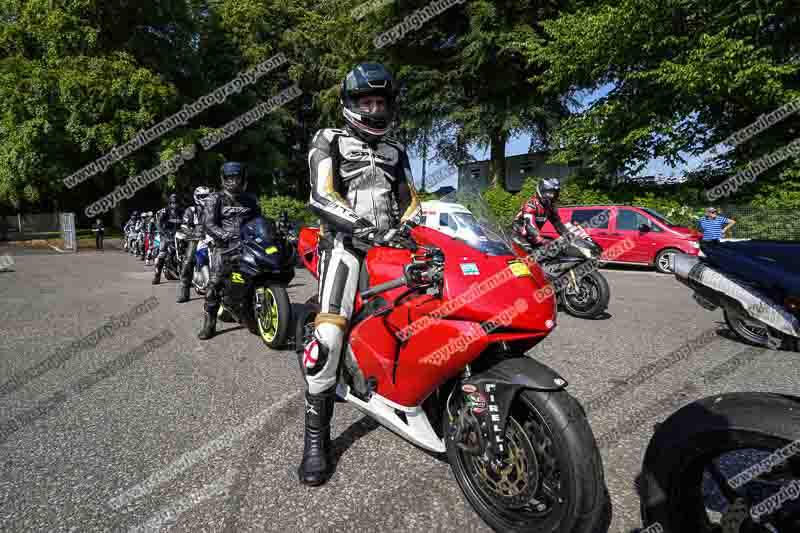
point(773, 264)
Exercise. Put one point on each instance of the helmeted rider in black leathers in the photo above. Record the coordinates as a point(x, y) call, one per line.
point(361, 188)
point(168, 221)
point(224, 214)
point(192, 226)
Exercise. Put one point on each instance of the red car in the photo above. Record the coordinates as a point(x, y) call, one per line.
point(654, 237)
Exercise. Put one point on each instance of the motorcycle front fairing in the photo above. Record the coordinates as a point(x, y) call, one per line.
point(452, 331)
point(263, 253)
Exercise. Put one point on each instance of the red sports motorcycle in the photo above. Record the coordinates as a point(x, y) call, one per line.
point(436, 353)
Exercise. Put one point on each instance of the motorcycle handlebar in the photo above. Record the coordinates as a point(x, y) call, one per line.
point(383, 287)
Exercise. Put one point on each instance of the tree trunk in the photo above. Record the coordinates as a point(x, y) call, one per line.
point(424, 161)
point(497, 165)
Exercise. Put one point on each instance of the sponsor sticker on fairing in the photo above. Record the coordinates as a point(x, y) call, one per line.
point(469, 269)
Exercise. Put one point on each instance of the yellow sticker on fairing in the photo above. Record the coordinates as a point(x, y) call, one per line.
point(519, 269)
point(236, 277)
point(271, 250)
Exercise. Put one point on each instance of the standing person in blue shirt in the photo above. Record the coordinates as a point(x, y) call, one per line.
point(714, 226)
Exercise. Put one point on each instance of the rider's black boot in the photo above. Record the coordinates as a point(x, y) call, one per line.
point(209, 325)
point(183, 294)
point(157, 275)
point(315, 466)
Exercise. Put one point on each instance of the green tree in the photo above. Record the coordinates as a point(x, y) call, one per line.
point(686, 74)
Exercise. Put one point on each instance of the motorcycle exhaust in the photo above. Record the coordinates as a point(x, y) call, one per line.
point(698, 275)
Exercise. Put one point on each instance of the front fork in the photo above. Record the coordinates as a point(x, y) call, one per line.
point(479, 405)
point(572, 288)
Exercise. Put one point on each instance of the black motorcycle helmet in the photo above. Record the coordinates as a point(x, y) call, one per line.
point(369, 79)
point(548, 191)
point(234, 177)
point(135, 214)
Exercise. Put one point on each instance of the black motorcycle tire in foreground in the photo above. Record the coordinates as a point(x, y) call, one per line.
point(683, 467)
point(556, 483)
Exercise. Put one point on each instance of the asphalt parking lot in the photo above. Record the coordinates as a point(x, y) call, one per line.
point(206, 436)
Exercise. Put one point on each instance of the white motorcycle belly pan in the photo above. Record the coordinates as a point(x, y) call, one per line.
point(418, 430)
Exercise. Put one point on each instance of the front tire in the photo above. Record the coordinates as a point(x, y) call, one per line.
point(562, 488)
point(592, 298)
point(273, 322)
point(693, 455)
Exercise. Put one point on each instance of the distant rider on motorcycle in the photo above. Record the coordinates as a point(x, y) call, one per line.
point(224, 214)
point(192, 226)
point(141, 236)
point(128, 230)
point(537, 211)
point(168, 220)
point(361, 188)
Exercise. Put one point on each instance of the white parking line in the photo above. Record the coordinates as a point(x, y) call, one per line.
point(189, 459)
point(167, 516)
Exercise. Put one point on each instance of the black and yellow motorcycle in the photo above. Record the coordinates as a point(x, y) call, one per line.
point(255, 292)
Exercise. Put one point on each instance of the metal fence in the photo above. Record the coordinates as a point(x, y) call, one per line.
point(16, 227)
point(760, 223)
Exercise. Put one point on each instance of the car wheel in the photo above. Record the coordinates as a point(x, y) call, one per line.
point(663, 260)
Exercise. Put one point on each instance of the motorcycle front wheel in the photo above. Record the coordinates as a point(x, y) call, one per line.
point(691, 479)
point(551, 478)
point(591, 297)
point(276, 314)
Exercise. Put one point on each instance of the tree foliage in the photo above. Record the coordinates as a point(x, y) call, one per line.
point(78, 78)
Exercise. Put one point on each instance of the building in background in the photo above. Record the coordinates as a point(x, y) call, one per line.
point(518, 168)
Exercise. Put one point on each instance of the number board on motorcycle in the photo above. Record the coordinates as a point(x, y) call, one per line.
point(519, 269)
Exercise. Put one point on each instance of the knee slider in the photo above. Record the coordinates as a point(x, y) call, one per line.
point(328, 335)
